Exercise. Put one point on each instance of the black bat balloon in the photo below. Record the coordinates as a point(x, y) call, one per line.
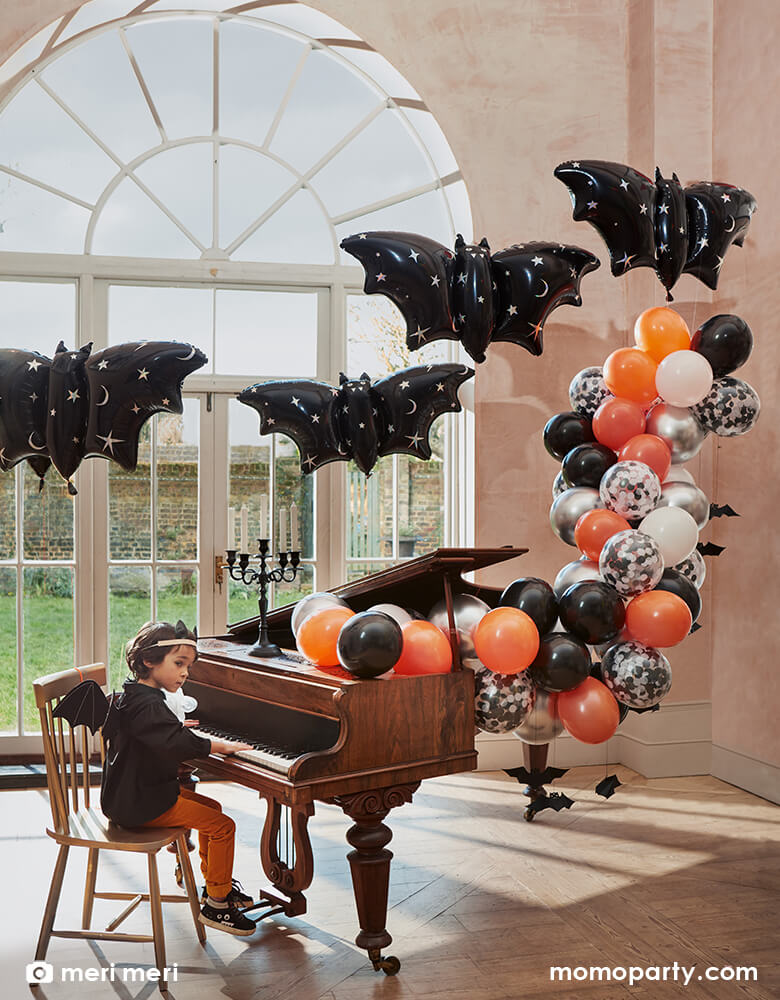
point(68, 410)
point(471, 295)
point(659, 224)
point(536, 778)
point(607, 786)
point(24, 386)
point(555, 800)
point(359, 420)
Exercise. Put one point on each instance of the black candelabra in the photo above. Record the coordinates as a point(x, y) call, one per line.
point(285, 572)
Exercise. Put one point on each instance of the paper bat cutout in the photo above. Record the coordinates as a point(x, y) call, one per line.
point(724, 511)
point(469, 295)
point(24, 381)
point(695, 628)
point(641, 711)
point(536, 778)
point(662, 225)
point(555, 800)
point(84, 705)
point(710, 548)
point(358, 420)
point(607, 786)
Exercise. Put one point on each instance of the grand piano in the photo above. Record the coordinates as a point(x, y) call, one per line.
point(322, 734)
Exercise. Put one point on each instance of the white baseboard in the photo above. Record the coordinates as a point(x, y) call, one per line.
point(756, 776)
point(674, 741)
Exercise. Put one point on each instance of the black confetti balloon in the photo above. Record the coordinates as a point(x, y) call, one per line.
point(730, 408)
point(588, 390)
point(638, 676)
point(502, 701)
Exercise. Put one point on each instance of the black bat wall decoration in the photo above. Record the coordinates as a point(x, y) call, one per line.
point(471, 295)
point(710, 548)
point(722, 510)
point(662, 225)
point(359, 420)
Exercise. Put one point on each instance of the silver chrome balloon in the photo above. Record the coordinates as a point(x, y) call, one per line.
point(310, 605)
point(575, 572)
point(467, 611)
point(398, 614)
point(569, 508)
point(677, 474)
point(679, 428)
point(688, 497)
point(542, 724)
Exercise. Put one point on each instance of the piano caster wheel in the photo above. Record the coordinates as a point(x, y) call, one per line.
point(389, 965)
point(528, 816)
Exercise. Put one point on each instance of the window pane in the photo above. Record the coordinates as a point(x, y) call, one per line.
point(8, 684)
point(129, 607)
point(427, 213)
point(262, 334)
point(183, 178)
point(129, 504)
point(177, 482)
point(48, 517)
point(177, 595)
point(376, 339)
point(8, 516)
point(289, 593)
point(370, 510)
point(48, 630)
point(149, 312)
point(357, 570)
point(293, 487)
point(36, 314)
point(131, 225)
point(297, 233)
point(249, 184)
point(249, 479)
point(421, 498)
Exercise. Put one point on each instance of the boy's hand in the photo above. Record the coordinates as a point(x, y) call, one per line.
point(191, 723)
point(228, 746)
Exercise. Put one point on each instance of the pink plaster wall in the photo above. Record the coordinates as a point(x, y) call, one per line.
point(519, 85)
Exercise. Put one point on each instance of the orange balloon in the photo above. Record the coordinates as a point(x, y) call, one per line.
point(660, 331)
point(617, 421)
point(426, 650)
point(589, 712)
point(594, 528)
point(658, 618)
point(506, 640)
point(318, 636)
point(651, 450)
point(630, 373)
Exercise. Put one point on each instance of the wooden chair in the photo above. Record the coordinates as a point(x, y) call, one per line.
point(81, 824)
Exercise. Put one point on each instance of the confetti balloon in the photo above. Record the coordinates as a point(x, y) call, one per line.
point(631, 562)
point(542, 724)
point(638, 676)
point(502, 702)
point(588, 390)
point(730, 408)
point(694, 568)
point(559, 485)
point(631, 489)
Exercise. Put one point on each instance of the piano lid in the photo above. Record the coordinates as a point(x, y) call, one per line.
point(415, 583)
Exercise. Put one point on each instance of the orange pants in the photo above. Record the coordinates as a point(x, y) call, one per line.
point(216, 837)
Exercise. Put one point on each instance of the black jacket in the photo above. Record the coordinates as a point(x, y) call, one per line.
point(144, 749)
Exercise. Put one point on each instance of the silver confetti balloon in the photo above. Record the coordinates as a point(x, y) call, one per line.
point(542, 723)
point(575, 572)
point(679, 428)
point(502, 701)
point(310, 605)
point(588, 390)
point(638, 676)
point(398, 614)
point(630, 488)
point(569, 508)
point(730, 408)
point(631, 562)
point(694, 568)
point(467, 611)
point(559, 485)
point(688, 497)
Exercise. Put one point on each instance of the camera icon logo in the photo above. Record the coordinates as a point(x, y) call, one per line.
point(40, 972)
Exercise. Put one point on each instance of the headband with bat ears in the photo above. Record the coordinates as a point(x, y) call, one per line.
point(182, 638)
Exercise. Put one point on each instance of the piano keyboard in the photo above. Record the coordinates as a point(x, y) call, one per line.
point(265, 754)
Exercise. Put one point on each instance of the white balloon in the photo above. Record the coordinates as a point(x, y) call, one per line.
point(683, 378)
point(310, 605)
point(674, 530)
point(398, 614)
point(677, 474)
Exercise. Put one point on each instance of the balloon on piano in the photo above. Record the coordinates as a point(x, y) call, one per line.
point(310, 605)
point(502, 701)
point(426, 650)
point(369, 644)
point(318, 636)
point(398, 614)
point(467, 612)
point(542, 724)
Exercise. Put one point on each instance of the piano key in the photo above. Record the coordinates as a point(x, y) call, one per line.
point(278, 759)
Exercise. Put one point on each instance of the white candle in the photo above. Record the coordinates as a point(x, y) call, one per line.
point(282, 529)
point(264, 530)
point(244, 527)
point(231, 532)
point(294, 539)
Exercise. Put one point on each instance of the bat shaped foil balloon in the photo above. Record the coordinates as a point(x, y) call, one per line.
point(24, 382)
point(359, 420)
point(471, 295)
point(662, 225)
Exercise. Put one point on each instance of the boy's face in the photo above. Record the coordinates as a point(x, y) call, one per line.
point(172, 672)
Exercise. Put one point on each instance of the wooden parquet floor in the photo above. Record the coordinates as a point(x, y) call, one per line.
point(682, 870)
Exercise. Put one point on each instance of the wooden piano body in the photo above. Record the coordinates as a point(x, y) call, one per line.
point(364, 745)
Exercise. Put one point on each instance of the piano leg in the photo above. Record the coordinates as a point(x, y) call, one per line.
point(369, 863)
point(287, 882)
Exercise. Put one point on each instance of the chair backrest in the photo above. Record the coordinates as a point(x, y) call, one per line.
point(63, 750)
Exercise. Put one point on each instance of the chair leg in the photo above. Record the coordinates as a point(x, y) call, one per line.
point(189, 885)
point(51, 903)
point(89, 888)
point(158, 931)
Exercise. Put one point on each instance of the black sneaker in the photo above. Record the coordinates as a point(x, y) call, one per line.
point(230, 919)
point(236, 896)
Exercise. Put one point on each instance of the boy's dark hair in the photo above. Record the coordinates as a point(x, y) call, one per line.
point(143, 649)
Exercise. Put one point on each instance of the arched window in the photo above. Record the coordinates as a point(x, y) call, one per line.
point(188, 174)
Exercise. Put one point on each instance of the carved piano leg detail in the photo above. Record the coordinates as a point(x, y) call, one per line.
point(287, 883)
point(369, 863)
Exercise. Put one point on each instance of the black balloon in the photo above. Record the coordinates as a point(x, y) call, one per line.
point(536, 598)
point(595, 671)
point(586, 464)
point(471, 295)
point(592, 611)
point(360, 420)
point(565, 431)
point(562, 662)
point(370, 644)
point(725, 341)
point(68, 409)
point(674, 582)
point(659, 224)
point(24, 389)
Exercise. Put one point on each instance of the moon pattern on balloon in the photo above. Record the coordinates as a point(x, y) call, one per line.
point(187, 356)
point(103, 403)
point(32, 444)
point(414, 407)
point(542, 294)
point(733, 224)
